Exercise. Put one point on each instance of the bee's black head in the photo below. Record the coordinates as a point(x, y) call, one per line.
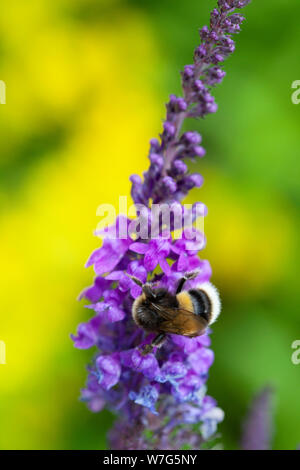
point(148, 309)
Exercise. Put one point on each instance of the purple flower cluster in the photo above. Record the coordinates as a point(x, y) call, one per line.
point(160, 398)
point(170, 382)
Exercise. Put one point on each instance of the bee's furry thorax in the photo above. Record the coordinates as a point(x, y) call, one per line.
point(146, 309)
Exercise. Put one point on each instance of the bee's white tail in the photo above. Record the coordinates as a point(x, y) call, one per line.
point(214, 297)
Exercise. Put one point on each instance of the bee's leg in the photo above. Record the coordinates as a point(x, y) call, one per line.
point(180, 285)
point(156, 342)
point(135, 279)
point(186, 277)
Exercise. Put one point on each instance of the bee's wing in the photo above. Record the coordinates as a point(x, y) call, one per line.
point(183, 322)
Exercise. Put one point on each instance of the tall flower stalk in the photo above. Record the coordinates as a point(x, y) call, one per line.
point(258, 427)
point(160, 399)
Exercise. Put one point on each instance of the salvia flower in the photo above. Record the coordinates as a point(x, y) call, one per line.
point(160, 398)
point(258, 425)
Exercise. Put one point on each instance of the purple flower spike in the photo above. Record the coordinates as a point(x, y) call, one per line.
point(163, 392)
point(198, 80)
point(258, 425)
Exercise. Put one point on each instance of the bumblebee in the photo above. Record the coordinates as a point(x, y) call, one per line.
point(187, 313)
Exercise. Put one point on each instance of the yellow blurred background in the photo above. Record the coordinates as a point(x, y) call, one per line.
point(86, 82)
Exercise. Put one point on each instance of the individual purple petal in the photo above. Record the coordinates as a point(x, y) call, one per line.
point(94, 292)
point(190, 243)
point(187, 386)
point(171, 371)
point(150, 261)
point(158, 250)
point(147, 397)
point(111, 308)
point(139, 247)
point(208, 403)
point(138, 271)
point(148, 364)
point(204, 275)
point(194, 263)
point(87, 334)
point(201, 360)
point(115, 276)
point(203, 340)
point(188, 345)
point(108, 256)
point(189, 413)
point(108, 370)
point(125, 283)
point(135, 291)
point(182, 262)
point(94, 402)
point(166, 268)
point(211, 419)
point(110, 312)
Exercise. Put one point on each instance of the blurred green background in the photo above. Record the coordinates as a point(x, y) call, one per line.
point(86, 85)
